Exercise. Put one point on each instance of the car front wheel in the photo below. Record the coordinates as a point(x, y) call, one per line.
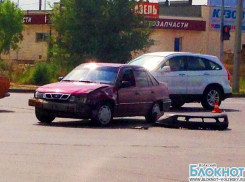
point(44, 116)
point(104, 114)
point(211, 95)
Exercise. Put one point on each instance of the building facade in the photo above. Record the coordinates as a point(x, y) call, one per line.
point(177, 28)
point(36, 37)
point(192, 29)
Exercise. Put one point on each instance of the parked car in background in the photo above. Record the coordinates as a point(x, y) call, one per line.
point(4, 87)
point(101, 91)
point(190, 77)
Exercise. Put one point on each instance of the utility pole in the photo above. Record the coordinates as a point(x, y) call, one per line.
point(237, 46)
point(40, 5)
point(221, 31)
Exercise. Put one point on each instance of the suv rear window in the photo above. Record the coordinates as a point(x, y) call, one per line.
point(213, 66)
point(197, 63)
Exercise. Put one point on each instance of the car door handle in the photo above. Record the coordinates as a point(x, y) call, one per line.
point(137, 93)
point(206, 73)
point(181, 74)
point(152, 92)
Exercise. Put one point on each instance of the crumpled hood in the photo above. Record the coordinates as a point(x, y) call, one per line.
point(70, 87)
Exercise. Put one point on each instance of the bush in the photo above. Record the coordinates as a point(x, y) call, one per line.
point(41, 74)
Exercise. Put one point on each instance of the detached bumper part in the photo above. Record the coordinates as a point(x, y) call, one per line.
point(211, 122)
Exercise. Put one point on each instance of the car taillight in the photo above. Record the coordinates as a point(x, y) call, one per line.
point(228, 74)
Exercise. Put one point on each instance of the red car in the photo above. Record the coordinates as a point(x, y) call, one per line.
point(4, 86)
point(101, 91)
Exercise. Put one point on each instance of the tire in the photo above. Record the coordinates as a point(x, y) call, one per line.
point(210, 95)
point(177, 104)
point(151, 116)
point(104, 114)
point(44, 116)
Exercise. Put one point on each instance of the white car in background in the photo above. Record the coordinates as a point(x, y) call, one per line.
point(191, 77)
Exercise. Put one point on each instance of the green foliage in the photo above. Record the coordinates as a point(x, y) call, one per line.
point(3, 66)
point(11, 26)
point(41, 74)
point(107, 30)
point(23, 77)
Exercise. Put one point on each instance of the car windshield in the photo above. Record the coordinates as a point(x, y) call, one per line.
point(93, 73)
point(148, 61)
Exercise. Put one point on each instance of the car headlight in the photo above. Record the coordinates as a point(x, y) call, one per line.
point(38, 95)
point(81, 99)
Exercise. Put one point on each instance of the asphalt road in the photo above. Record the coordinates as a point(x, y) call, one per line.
point(74, 150)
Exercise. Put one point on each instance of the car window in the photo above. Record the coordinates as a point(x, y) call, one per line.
point(210, 65)
point(141, 78)
point(153, 80)
point(94, 73)
point(195, 64)
point(176, 63)
point(147, 61)
point(128, 75)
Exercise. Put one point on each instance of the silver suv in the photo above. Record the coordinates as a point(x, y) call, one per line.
point(190, 77)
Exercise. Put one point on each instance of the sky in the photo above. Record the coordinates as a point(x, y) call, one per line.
point(34, 4)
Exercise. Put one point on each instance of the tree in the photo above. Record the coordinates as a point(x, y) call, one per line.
point(107, 30)
point(11, 26)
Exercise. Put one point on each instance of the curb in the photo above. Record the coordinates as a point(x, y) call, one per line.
point(237, 95)
point(21, 90)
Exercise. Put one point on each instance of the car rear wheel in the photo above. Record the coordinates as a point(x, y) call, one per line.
point(210, 96)
point(44, 116)
point(151, 117)
point(104, 114)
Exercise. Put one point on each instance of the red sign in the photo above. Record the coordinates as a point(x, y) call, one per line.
point(31, 19)
point(176, 24)
point(150, 10)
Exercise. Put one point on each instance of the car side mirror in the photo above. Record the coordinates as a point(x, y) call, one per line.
point(60, 78)
point(125, 84)
point(166, 69)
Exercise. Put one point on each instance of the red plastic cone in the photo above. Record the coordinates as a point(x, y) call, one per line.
point(216, 107)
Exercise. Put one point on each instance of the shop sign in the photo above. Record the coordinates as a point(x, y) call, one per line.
point(176, 24)
point(150, 10)
point(31, 19)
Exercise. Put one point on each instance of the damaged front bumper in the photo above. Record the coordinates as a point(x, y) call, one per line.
point(62, 109)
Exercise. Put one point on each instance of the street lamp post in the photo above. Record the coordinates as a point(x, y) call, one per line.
point(237, 46)
point(221, 32)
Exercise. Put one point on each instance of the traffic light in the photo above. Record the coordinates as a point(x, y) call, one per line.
point(226, 32)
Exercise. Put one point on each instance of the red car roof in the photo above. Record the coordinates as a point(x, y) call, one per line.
point(116, 65)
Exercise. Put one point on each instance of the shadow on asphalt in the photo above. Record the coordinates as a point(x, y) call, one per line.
point(122, 123)
point(6, 111)
point(128, 123)
point(132, 123)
